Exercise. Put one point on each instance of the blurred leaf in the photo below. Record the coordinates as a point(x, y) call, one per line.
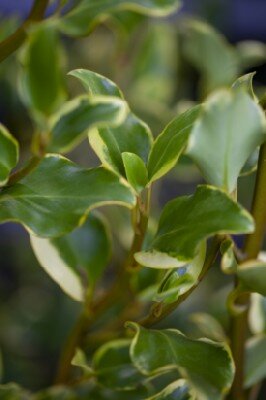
point(255, 360)
point(252, 275)
point(208, 326)
point(78, 116)
point(188, 220)
point(9, 154)
point(245, 82)
point(250, 53)
point(228, 260)
point(228, 130)
point(113, 366)
point(136, 171)
point(132, 136)
point(257, 313)
point(180, 280)
point(170, 143)
point(208, 366)
point(210, 53)
point(56, 393)
point(53, 199)
point(42, 80)
point(11, 391)
point(84, 253)
point(82, 19)
point(177, 390)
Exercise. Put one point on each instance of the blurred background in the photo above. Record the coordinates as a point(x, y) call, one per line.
point(163, 67)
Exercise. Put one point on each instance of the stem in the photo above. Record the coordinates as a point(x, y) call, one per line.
point(14, 41)
point(159, 311)
point(251, 250)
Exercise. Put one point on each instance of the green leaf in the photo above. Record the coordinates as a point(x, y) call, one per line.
point(113, 366)
point(207, 365)
point(82, 114)
point(228, 260)
point(77, 259)
point(53, 199)
point(177, 390)
point(132, 136)
point(245, 82)
point(96, 84)
point(188, 220)
point(257, 313)
point(250, 53)
point(169, 145)
point(56, 393)
point(252, 275)
point(208, 326)
point(8, 155)
point(178, 281)
point(88, 13)
point(210, 53)
point(42, 80)
point(11, 391)
point(255, 360)
point(136, 171)
point(229, 129)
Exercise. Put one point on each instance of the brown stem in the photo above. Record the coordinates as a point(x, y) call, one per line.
point(14, 41)
point(252, 247)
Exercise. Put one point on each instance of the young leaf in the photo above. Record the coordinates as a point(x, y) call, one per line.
point(252, 275)
point(8, 155)
point(42, 82)
point(207, 365)
point(96, 84)
point(188, 220)
point(136, 171)
point(255, 360)
point(53, 199)
point(84, 253)
point(78, 116)
point(170, 143)
point(257, 314)
point(178, 390)
point(113, 366)
point(88, 13)
point(245, 82)
point(228, 260)
point(229, 129)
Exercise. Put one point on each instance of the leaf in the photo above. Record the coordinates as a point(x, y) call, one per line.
point(207, 365)
point(54, 198)
point(170, 143)
point(229, 129)
point(132, 136)
point(136, 171)
point(252, 275)
point(88, 13)
point(245, 82)
point(113, 366)
point(42, 80)
point(178, 281)
point(208, 326)
point(255, 360)
point(8, 155)
point(80, 115)
point(250, 53)
point(210, 53)
point(228, 260)
point(56, 393)
point(257, 313)
point(177, 390)
point(11, 391)
point(78, 259)
point(188, 220)
point(96, 84)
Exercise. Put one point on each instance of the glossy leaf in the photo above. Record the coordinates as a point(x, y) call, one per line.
point(245, 82)
point(255, 360)
point(252, 275)
point(132, 136)
point(53, 199)
point(82, 114)
point(136, 171)
point(188, 220)
point(210, 53)
point(77, 259)
point(178, 281)
point(178, 390)
point(170, 143)
point(42, 81)
point(229, 129)
point(88, 13)
point(113, 366)
point(207, 365)
point(8, 154)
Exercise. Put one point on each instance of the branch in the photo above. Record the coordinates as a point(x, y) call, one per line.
point(14, 41)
